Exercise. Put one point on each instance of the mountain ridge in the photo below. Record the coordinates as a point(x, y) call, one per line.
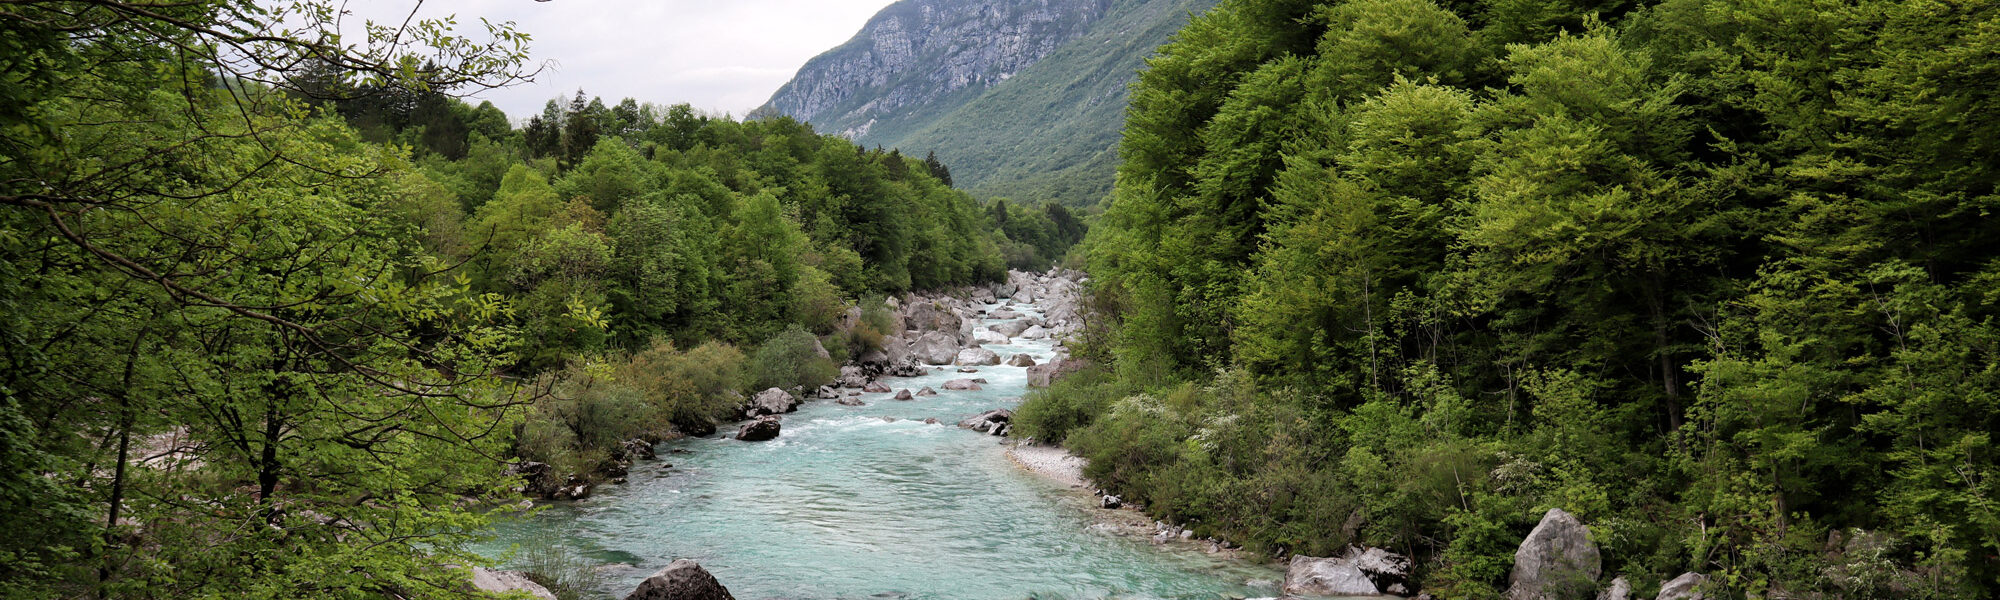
point(1042, 129)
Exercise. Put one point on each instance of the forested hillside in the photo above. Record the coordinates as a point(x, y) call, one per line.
point(277, 310)
point(1023, 98)
point(1718, 277)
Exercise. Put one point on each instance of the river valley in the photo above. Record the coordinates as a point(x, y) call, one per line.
point(871, 501)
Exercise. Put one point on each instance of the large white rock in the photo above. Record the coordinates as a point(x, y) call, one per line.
point(1557, 560)
point(1034, 332)
point(1327, 577)
point(988, 336)
point(978, 356)
point(934, 348)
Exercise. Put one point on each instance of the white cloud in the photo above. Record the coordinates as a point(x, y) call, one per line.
point(718, 55)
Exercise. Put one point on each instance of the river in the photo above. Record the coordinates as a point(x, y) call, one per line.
point(871, 502)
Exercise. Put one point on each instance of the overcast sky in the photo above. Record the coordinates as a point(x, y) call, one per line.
point(718, 55)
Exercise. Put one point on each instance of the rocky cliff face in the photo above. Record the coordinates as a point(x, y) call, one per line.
point(1021, 98)
point(917, 55)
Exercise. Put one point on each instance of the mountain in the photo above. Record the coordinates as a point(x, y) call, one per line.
point(1021, 98)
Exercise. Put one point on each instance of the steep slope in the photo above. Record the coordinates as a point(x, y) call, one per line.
point(1009, 118)
point(1051, 132)
point(924, 57)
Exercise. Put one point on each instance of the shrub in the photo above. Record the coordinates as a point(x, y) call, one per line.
point(585, 414)
point(790, 360)
point(1071, 404)
point(690, 391)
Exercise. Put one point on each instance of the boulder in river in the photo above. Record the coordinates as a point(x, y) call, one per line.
point(989, 420)
point(758, 430)
point(927, 391)
point(904, 395)
point(772, 401)
point(1011, 328)
point(1004, 314)
point(501, 582)
point(680, 580)
point(934, 348)
point(988, 336)
point(1021, 360)
point(978, 356)
point(850, 402)
point(1034, 332)
point(961, 385)
point(1313, 576)
point(1557, 560)
point(852, 376)
point(876, 387)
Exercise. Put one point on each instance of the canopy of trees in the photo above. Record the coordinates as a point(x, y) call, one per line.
point(1718, 276)
point(276, 307)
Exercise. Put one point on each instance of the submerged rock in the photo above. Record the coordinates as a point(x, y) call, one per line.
point(681, 580)
point(1557, 560)
point(961, 385)
point(762, 429)
point(850, 402)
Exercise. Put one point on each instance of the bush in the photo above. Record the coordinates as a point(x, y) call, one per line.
point(1071, 404)
point(585, 414)
point(691, 391)
point(790, 360)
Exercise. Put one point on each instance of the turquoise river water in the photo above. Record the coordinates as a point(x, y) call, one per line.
point(871, 502)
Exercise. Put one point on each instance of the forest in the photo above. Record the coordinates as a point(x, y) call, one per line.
point(279, 308)
point(1716, 276)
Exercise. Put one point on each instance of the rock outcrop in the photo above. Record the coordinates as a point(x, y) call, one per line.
point(1556, 561)
point(680, 580)
point(918, 53)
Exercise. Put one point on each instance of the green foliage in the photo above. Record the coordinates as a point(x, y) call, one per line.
point(791, 360)
point(1715, 277)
